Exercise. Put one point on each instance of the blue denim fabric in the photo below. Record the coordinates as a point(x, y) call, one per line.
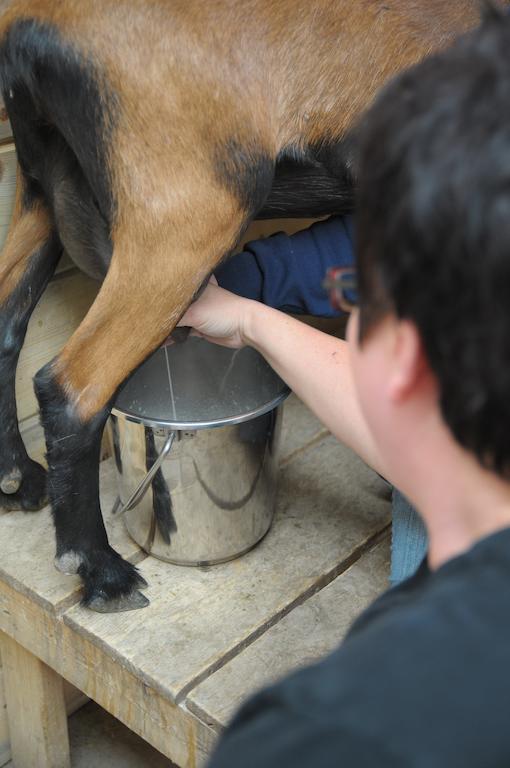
point(408, 540)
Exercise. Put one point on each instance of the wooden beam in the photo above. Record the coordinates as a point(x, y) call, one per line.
point(35, 709)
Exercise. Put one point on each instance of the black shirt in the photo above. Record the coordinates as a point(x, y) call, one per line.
point(422, 680)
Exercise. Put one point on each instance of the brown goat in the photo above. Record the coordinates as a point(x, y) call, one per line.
point(149, 133)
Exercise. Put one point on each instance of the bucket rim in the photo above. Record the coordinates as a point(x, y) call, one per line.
point(183, 426)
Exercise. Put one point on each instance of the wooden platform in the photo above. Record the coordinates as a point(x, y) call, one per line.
point(176, 671)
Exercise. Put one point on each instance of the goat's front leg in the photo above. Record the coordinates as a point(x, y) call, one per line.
point(149, 284)
point(27, 262)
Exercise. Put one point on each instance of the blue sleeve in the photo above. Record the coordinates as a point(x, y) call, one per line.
point(286, 271)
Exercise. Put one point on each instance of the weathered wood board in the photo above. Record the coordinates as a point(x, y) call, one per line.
point(259, 229)
point(7, 187)
point(5, 752)
point(35, 694)
point(74, 700)
point(300, 427)
point(115, 687)
point(308, 633)
point(5, 126)
point(199, 617)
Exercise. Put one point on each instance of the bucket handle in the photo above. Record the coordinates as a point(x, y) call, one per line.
point(141, 490)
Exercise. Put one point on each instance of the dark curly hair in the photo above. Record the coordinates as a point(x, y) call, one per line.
point(433, 227)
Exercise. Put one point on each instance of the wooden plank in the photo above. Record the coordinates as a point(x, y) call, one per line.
point(27, 548)
point(175, 732)
point(304, 636)
point(35, 709)
point(74, 700)
point(33, 436)
point(7, 187)
point(258, 229)
point(5, 750)
point(299, 428)
point(5, 126)
point(330, 506)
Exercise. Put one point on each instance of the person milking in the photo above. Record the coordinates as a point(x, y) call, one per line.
point(420, 390)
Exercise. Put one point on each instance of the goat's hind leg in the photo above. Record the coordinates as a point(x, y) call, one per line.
point(27, 262)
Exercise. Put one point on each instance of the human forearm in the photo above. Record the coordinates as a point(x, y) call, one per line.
point(317, 368)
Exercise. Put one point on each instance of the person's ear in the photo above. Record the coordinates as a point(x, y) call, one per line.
point(409, 364)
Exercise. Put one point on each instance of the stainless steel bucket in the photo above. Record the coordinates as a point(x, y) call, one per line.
point(195, 433)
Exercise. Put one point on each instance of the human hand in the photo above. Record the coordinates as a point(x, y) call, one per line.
point(219, 316)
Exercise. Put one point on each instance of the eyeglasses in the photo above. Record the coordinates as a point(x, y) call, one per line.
point(342, 284)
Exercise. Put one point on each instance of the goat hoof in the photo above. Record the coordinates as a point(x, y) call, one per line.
point(111, 583)
point(30, 493)
point(142, 584)
point(11, 482)
point(131, 602)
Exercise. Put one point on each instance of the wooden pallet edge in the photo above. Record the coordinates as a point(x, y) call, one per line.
point(75, 699)
point(179, 735)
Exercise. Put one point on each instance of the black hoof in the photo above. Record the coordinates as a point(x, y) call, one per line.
point(111, 584)
point(31, 492)
point(130, 602)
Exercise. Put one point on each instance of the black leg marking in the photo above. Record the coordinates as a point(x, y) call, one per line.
point(110, 583)
point(22, 481)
